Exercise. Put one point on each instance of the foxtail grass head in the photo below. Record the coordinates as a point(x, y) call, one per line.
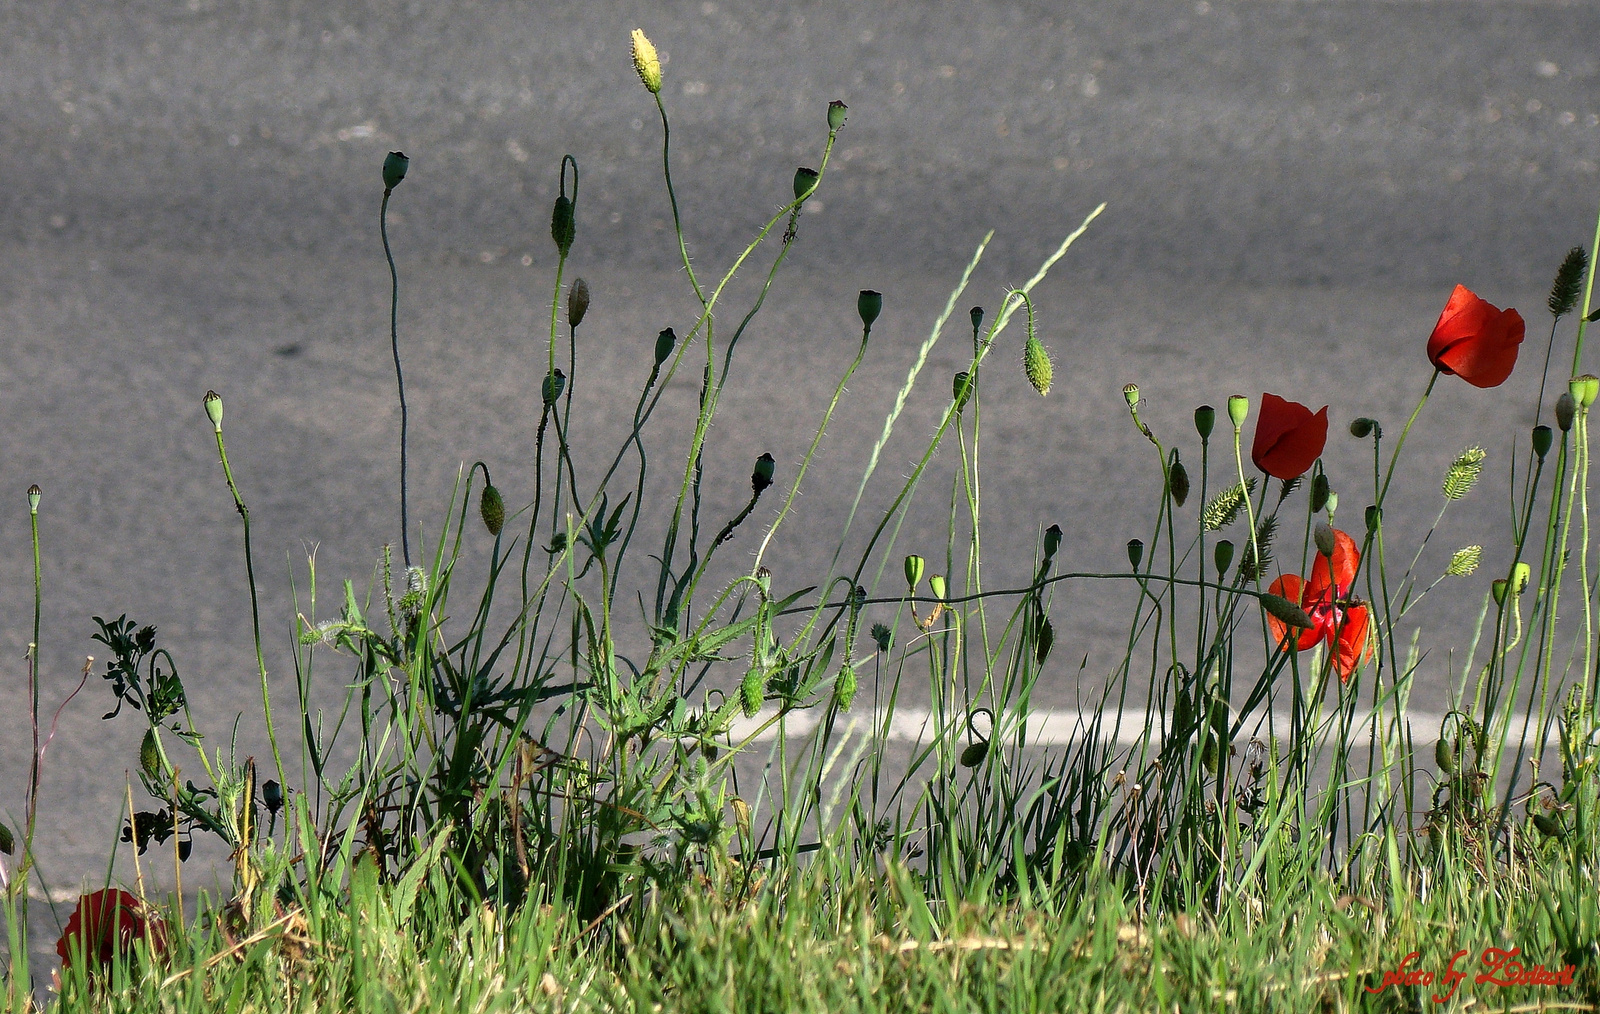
point(1463, 473)
point(213, 403)
point(395, 165)
point(1568, 285)
point(646, 62)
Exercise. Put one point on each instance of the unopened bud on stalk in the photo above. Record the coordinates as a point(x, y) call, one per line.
point(1222, 556)
point(961, 389)
point(577, 302)
point(1565, 409)
point(395, 165)
point(665, 341)
point(563, 224)
point(1542, 438)
point(1323, 536)
point(492, 507)
point(1205, 419)
point(805, 181)
point(554, 384)
point(1519, 578)
point(1238, 410)
point(150, 754)
point(1444, 754)
point(272, 796)
point(761, 478)
point(1333, 504)
point(1135, 552)
point(868, 305)
point(937, 586)
point(1052, 540)
point(1036, 365)
point(1320, 491)
point(914, 568)
point(1361, 427)
point(646, 62)
point(1130, 394)
point(1549, 826)
point(764, 579)
point(34, 493)
point(1178, 480)
point(844, 688)
point(1373, 517)
point(751, 690)
point(213, 403)
point(836, 111)
point(1497, 588)
point(1291, 614)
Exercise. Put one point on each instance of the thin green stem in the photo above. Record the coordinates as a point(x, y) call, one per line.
point(399, 379)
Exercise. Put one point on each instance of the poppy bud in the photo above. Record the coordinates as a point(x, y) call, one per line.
point(961, 389)
point(1135, 552)
point(664, 345)
point(976, 313)
point(1565, 407)
point(552, 387)
point(1361, 427)
point(805, 181)
point(761, 478)
point(1052, 540)
point(1320, 492)
point(1569, 280)
point(1541, 441)
point(1044, 639)
point(1333, 504)
point(577, 302)
point(936, 585)
point(395, 165)
point(1373, 517)
point(1036, 365)
point(751, 691)
point(34, 493)
point(974, 754)
point(1322, 535)
point(1222, 556)
point(1444, 755)
point(1549, 826)
point(1130, 394)
point(1290, 614)
point(213, 403)
point(868, 305)
point(272, 796)
point(836, 114)
point(563, 228)
point(492, 507)
point(1178, 480)
point(1497, 588)
point(1519, 578)
point(150, 754)
point(1205, 419)
point(844, 688)
point(1238, 409)
point(646, 62)
point(914, 568)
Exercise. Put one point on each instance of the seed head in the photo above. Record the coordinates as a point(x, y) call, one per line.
point(761, 477)
point(937, 586)
point(1205, 419)
point(1238, 410)
point(34, 493)
point(869, 303)
point(646, 62)
point(552, 387)
point(665, 341)
point(1130, 394)
point(1222, 556)
point(1569, 280)
point(213, 403)
point(1542, 438)
point(1591, 390)
point(395, 165)
point(1135, 552)
point(914, 569)
point(836, 111)
point(805, 181)
point(1463, 473)
point(1464, 561)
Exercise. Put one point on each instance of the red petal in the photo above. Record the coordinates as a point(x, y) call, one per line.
point(1352, 643)
point(1292, 588)
point(1289, 437)
point(1346, 560)
point(1476, 340)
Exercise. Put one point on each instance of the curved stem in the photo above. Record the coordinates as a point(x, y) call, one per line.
point(400, 383)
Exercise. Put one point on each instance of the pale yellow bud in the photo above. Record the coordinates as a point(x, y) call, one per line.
point(646, 62)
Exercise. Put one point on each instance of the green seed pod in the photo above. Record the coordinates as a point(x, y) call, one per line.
point(1130, 394)
point(1333, 504)
point(1044, 640)
point(836, 111)
point(868, 305)
point(577, 302)
point(1291, 614)
point(752, 689)
point(1178, 480)
point(761, 478)
point(1135, 552)
point(1324, 538)
point(492, 507)
point(1566, 408)
point(974, 754)
point(914, 569)
point(1497, 588)
point(1361, 427)
point(937, 586)
point(272, 796)
point(1036, 365)
point(563, 224)
point(1222, 556)
point(34, 493)
point(1549, 826)
point(1542, 438)
point(1052, 540)
point(1320, 491)
point(1205, 419)
point(1373, 517)
point(961, 389)
point(646, 62)
point(1444, 755)
point(976, 313)
point(395, 165)
point(1519, 578)
point(844, 688)
point(805, 181)
point(150, 754)
point(552, 387)
point(213, 403)
point(1591, 389)
point(1238, 409)
point(665, 342)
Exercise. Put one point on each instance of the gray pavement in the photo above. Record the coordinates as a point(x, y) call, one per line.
point(190, 202)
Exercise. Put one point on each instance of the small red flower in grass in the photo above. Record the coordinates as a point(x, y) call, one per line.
point(1289, 437)
point(1475, 340)
point(105, 924)
point(1325, 598)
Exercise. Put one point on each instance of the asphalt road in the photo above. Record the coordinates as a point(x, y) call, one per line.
point(190, 202)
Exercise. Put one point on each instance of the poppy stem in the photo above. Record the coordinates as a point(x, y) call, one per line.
point(1394, 456)
point(1238, 460)
point(1588, 291)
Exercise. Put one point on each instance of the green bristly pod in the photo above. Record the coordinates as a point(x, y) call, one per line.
point(492, 507)
point(1036, 364)
point(844, 688)
point(666, 341)
point(1444, 754)
point(395, 165)
point(914, 569)
point(150, 754)
point(868, 305)
point(752, 690)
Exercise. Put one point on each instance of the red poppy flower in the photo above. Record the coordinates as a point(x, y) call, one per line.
point(1325, 599)
point(1289, 437)
point(1475, 340)
point(104, 925)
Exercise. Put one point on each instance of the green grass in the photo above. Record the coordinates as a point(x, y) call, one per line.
point(541, 812)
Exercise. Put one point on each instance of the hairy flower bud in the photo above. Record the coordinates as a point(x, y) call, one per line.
point(563, 224)
point(577, 302)
point(751, 691)
point(1565, 409)
point(492, 507)
point(395, 165)
point(844, 688)
point(1323, 536)
point(761, 478)
point(836, 111)
point(1036, 365)
point(150, 754)
point(646, 62)
point(1361, 427)
point(1205, 419)
point(1286, 611)
point(1178, 480)
point(213, 403)
point(1320, 491)
point(1238, 409)
point(869, 303)
point(914, 569)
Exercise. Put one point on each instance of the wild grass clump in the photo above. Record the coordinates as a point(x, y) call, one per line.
point(544, 809)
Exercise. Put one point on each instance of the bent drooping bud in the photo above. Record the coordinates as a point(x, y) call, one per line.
point(1361, 427)
point(577, 302)
point(492, 508)
point(1036, 365)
